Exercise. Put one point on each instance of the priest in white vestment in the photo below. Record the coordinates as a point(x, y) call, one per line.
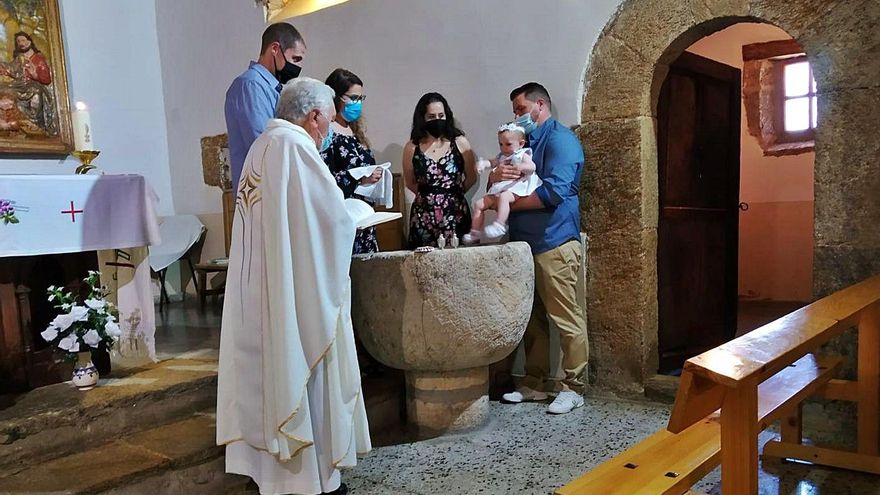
point(289, 403)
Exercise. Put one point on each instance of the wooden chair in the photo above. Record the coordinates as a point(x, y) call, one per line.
point(729, 394)
point(202, 270)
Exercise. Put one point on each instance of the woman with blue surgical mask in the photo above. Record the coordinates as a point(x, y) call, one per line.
point(349, 147)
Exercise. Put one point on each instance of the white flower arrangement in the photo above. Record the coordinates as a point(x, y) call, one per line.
point(82, 327)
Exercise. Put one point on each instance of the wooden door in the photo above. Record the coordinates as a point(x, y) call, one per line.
point(698, 156)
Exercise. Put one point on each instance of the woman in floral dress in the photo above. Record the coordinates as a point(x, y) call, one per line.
point(439, 166)
point(350, 147)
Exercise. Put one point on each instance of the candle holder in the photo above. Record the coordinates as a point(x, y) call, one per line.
point(85, 157)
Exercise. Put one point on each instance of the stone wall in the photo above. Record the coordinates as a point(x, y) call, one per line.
point(627, 67)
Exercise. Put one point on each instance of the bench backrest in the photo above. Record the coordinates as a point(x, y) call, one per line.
point(756, 356)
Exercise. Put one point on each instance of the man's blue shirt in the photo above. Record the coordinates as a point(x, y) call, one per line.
point(559, 160)
point(250, 103)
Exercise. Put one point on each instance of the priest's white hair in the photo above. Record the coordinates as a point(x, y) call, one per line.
point(302, 95)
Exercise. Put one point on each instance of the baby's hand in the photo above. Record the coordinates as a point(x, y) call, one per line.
point(483, 165)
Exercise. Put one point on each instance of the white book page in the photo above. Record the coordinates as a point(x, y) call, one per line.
point(364, 216)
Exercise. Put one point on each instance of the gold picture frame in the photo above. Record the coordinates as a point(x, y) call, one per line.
point(34, 98)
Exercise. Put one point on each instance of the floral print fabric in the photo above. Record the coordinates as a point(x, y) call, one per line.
point(440, 207)
point(345, 153)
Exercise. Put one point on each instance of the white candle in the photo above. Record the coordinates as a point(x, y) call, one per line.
point(83, 139)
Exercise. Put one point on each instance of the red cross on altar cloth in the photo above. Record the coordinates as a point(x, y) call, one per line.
point(72, 211)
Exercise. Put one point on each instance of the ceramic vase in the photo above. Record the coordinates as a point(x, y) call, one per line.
point(85, 375)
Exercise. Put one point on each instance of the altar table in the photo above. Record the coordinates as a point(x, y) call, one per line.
point(115, 215)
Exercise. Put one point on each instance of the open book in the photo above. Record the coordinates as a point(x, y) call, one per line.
point(364, 216)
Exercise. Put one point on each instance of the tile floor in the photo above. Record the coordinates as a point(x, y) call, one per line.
point(524, 450)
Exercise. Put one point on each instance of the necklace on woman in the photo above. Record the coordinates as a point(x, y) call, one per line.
point(436, 145)
point(434, 149)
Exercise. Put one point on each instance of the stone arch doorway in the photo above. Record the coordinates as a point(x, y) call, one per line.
point(627, 67)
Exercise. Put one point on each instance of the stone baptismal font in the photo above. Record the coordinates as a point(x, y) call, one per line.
point(443, 317)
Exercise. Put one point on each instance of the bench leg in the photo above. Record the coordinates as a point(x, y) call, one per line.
point(792, 427)
point(739, 440)
point(869, 382)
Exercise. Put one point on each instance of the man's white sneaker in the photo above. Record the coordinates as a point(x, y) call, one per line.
point(565, 402)
point(523, 394)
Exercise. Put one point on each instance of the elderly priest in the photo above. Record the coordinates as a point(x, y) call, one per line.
point(289, 405)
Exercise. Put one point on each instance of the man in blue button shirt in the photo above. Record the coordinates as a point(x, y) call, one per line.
point(549, 220)
point(252, 97)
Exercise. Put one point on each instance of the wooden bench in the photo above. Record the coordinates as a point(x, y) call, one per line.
point(729, 394)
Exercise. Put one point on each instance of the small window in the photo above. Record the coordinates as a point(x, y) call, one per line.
point(797, 105)
point(779, 93)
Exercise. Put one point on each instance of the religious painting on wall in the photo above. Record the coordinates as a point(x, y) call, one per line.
point(34, 106)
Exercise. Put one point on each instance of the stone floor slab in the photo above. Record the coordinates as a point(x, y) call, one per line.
point(88, 472)
point(56, 420)
point(183, 443)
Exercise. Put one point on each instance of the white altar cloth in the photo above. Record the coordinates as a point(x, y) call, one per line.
point(76, 213)
point(113, 214)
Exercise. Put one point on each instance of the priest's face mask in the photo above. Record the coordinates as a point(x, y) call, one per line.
point(320, 131)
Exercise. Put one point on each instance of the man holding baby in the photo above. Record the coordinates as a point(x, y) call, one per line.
point(549, 221)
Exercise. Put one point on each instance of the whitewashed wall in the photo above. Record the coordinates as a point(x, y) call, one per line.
point(113, 65)
point(472, 52)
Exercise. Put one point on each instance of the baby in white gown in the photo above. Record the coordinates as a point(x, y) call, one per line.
point(512, 141)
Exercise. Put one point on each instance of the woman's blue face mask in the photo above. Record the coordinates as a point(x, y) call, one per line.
point(351, 112)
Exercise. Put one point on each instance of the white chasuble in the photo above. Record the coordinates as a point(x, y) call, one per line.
point(289, 404)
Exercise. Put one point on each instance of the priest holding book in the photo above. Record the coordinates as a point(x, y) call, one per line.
point(290, 409)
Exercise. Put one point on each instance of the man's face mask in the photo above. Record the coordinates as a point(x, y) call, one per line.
point(526, 121)
point(288, 72)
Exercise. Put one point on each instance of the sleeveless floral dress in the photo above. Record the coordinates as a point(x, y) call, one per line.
point(440, 207)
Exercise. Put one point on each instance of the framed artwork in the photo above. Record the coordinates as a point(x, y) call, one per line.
point(34, 105)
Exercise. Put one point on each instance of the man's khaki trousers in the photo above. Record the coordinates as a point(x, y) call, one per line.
point(556, 276)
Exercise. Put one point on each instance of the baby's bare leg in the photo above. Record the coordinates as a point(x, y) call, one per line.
point(505, 199)
point(481, 205)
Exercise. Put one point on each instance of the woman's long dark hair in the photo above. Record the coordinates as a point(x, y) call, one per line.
point(341, 80)
point(418, 125)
